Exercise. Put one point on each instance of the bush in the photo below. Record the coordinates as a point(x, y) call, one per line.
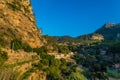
point(53, 73)
point(16, 44)
point(63, 49)
point(27, 48)
point(59, 69)
point(76, 76)
point(3, 57)
point(40, 50)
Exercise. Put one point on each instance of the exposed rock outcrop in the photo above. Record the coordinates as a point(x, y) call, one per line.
point(17, 21)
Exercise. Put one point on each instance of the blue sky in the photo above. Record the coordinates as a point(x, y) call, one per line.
point(74, 17)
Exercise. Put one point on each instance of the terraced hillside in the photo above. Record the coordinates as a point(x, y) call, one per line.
point(20, 63)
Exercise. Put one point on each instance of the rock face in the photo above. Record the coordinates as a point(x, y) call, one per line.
point(17, 21)
point(97, 37)
point(109, 25)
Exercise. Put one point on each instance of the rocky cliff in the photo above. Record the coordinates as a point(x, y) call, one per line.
point(17, 21)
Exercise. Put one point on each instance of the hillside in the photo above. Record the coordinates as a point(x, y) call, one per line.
point(97, 52)
point(110, 31)
point(27, 55)
point(17, 22)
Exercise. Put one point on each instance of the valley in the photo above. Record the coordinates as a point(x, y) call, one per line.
point(27, 54)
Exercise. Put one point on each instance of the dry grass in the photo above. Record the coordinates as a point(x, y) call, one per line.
point(18, 56)
point(8, 74)
point(17, 64)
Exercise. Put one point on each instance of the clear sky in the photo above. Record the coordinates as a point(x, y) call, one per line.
point(74, 17)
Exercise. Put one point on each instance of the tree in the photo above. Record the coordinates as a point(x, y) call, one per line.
point(16, 44)
point(76, 76)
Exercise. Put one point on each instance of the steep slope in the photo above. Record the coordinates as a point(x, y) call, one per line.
point(17, 21)
point(110, 31)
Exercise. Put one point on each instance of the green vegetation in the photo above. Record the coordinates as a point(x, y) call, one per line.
point(43, 49)
point(58, 69)
point(3, 57)
point(52, 45)
point(114, 73)
point(27, 48)
point(63, 49)
point(18, 63)
point(6, 73)
point(17, 44)
point(93, 62)
point(115, 48)
point(110, 33)
point(27, 73)
point(76, 76)
point(97, 58)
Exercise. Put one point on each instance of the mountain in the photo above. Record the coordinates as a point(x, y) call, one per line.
point(63, 39)
point(25, 54)
point(17, 21)
point(110, 31)
point(88, 38)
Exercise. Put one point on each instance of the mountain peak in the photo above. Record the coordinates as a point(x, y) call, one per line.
point(109, 24)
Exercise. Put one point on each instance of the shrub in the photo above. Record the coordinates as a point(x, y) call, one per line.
point(76, 76)
point(40, 50)
point(27, 48)
point(63, 49)
point(16, 44)
point(3, 57)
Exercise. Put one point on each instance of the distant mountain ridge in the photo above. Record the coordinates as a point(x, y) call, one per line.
point(109, 31)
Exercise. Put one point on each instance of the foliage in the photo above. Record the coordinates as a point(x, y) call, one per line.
point(40, 50)
point(27, 48)
point(53, 73)
point(50, 40)
point(27, 73)
point(3, 57)
point(63, 49)
point(17, 44)
point(110, 33)
point(76, 76)
point(93, 61)
point(57, 69)
point(114, 73)
point(51, 44)
point(115, 48)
